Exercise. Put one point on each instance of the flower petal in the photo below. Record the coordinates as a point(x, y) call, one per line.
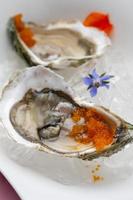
point(87, 81)
point(93, 91)
point(95, 75)
point(105, 85)
point(105, 78)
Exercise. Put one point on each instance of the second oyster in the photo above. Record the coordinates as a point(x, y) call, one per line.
point(59, 44)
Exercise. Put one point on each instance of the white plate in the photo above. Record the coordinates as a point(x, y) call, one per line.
point(39, 184)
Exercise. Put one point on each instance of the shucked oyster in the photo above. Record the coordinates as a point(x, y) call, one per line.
point(59, 44)
point(40, 111)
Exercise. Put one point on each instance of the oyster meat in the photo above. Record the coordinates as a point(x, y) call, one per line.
point(60, 44)
point(38, 106)
point(41, 113)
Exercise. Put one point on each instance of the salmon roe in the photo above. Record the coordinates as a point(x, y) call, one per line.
point(26, 33)
point(96, 128)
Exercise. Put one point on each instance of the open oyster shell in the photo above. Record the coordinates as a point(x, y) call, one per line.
point(60, 44)
point(35, 109)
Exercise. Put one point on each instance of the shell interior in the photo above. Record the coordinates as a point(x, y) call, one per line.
point(54, 43)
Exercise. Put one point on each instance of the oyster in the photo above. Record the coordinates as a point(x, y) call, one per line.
point(60, 44)
point(38, 105)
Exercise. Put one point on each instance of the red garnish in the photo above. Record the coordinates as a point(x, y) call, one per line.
point(100, 21)
point(26, 33)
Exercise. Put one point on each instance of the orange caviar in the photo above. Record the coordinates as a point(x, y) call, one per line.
point(97, 178)
point(96, 128)
point(26, 33)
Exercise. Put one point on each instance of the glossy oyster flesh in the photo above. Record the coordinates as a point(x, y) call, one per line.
point(60, 44)
point(38, 107)
point(40, 114)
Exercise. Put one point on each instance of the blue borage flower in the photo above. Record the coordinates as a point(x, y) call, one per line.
point(95, 81)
